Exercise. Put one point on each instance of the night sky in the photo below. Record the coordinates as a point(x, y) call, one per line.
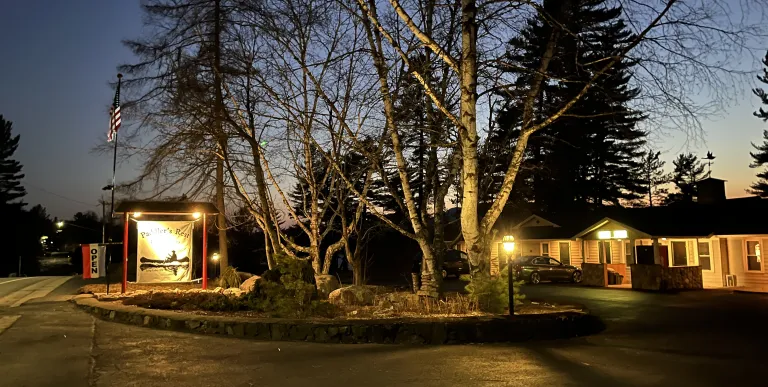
point(57, 57)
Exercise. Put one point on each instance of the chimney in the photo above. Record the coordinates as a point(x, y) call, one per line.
point(711, 191)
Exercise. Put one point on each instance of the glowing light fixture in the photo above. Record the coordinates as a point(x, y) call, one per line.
point(603, 235)
point(196, 215)
point(509, 243)
point(620, 234)
point(60, 224)
point(215, 256)
point(137, 214)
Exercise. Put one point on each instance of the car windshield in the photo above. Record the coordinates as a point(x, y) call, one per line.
point(455, 255)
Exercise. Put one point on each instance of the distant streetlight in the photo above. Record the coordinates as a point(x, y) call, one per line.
point(196, 215)
point(60, 224)
point(215, 258)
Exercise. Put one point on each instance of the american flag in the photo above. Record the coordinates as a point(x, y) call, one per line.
point(114, 115)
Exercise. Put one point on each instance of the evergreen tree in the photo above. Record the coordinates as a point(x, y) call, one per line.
point(652, 178)
point(760, 157)
point(591, 157)
point(687, 173)
point(11, 189)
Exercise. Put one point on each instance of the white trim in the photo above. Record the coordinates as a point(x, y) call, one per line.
point(745, 260)
point(698, 255)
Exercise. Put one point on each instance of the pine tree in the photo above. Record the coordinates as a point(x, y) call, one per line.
point(760, 157)
point(688, 171)
point(11, 189)
point(652, 177)
point(591, 157)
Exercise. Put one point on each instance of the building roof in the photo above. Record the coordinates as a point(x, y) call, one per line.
point(166, 207)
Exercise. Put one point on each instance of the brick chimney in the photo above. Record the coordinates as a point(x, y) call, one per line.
point(711, 191)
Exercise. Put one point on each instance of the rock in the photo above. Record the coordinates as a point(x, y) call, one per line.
point(352, 295)
point(244, 276)
point(218, 289)
point(233, 292)
point(326, 284)
point(248, 285)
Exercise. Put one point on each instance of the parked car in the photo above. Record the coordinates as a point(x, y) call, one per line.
point(455, 263)
point(534, 269)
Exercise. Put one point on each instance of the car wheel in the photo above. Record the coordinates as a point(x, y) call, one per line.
point(535, 278)
point(576, 278)
point(445, 274)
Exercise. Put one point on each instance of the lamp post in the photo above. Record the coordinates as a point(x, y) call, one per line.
point(509, 246)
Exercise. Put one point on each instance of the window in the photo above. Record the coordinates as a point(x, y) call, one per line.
point(679, 254)
point(541, 261)
point(554, 262)
point(754, 260)
point(545, 249)
point(604, 249)
point(705, 258)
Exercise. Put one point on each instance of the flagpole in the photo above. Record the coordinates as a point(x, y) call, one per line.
point(112, 202)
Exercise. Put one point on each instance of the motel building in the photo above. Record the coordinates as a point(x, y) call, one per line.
point(713, 243)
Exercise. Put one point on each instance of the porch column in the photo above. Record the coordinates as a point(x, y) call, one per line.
point(656, 254)
point(634, 252)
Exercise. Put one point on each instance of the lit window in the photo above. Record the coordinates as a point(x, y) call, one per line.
point(705, 257)
point(545, 249)
point(754, 260)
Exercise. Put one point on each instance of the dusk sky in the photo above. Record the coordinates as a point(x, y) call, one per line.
point(57, 60)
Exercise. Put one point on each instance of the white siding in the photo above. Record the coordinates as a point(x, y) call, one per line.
point(577, 257)
point(592, 254)
point(737, 262)
point(530, 248)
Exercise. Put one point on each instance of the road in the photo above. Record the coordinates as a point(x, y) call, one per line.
point(707, 338)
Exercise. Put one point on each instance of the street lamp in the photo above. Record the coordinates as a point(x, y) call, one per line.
point(508, 242)
point(196, 215)
point(60, 224)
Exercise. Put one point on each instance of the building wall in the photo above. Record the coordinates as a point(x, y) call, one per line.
point(737, 262)
point(592, 254)
point(529, 248)
point(577, 258)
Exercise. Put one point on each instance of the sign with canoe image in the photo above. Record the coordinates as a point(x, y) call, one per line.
point(164, 251)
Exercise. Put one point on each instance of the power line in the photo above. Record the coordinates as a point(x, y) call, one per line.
point(27, 184)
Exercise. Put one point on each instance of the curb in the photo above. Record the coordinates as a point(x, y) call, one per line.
point(389, 331)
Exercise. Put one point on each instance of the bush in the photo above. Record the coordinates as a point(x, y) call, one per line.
point(229, 278)
point(491, 293)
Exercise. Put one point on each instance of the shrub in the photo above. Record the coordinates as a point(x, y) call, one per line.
point(491, 293)
point(229, 278)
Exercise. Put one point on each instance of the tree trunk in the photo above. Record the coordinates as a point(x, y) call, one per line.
point(470, 224)
point(221, 220)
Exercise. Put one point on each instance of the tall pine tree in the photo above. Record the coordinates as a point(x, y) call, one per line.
point(760, 157)
point(688, 171)
point(653, 177)
point(11, 190)
point(591, 156)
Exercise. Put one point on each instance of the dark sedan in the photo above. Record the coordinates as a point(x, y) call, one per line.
point(537, 268)
point(455, 263)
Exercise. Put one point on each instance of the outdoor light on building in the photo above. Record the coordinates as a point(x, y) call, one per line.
point(60, 224)
point(196, 215)
point(620, 234)
point(137, 214)
point(603, 235)
point(215, 257)
point(509, 243)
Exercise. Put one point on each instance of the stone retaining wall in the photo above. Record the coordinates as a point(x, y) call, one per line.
point(657, 277)
point(402, 331)
point(593, 274)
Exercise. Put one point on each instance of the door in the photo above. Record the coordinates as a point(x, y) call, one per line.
point(645, 255)
point(565, 253)
point(664, 255)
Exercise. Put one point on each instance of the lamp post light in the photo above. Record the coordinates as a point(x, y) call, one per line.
point(215, 258)
point(509, 247)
